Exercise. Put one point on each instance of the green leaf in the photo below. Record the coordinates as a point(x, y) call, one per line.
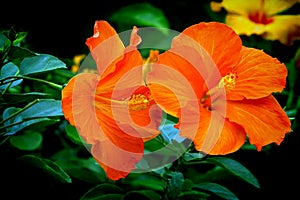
point(28, 141)
point(235, 168)
point(192, 156)
point(8, 70)
point(155, 144)
point(187, 184)
point(108, 196)
point(4, 42)
point(142, 194)
point(23, 97)
point(47, 166)
point(101, 190)
point(31, 114)
point(43, 108)
point(175, 184)
point(19, 53)
point(216, 189)
point(192, 195)
point(27, 124)
point(292, 73)
point(20, 36)
point(40, 64)
point(145, 181)
point(73, 134)
point(84, 169)
point(141, 15)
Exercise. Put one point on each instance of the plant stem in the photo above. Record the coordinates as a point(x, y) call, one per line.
point(19, 111)
point(50, 84)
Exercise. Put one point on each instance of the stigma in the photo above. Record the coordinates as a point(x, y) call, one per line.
point(228, 81)
point(138, 102)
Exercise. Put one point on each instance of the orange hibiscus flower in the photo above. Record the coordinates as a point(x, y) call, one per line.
point(261, 17)
point(112, 109)
point(233, 87)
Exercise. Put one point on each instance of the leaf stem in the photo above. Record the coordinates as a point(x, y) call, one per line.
point(19, 111)
point(53, 85)
point(10, 83)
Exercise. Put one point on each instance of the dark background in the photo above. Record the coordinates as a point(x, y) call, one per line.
point(61, 28)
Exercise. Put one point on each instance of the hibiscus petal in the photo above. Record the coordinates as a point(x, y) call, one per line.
point(77, 106)
point(211, 37)
point(96, 126)
point(141, 114)
point(127, 73)
point(175, 96)
point(135, 39)
point(272, 7)
point(216, 135)
point(269, 6)
point(174, 83)
point(258, 75)
point(286, 34)
point(165, 98)
point(120, 151)
point(263, 119)
point(105, 46)
point(235, 6)
point(242, 25)
point(194, 65)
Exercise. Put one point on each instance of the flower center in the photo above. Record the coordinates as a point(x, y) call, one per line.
point(214, 94)
point(260, 16)
point(138, 102)
point(228, 81)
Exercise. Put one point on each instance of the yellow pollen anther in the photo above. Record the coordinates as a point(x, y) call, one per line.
point(138, 102)
point(228, 81)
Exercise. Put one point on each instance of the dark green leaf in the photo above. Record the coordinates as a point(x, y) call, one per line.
point(175, 184)
point(140, 14)
point(7, 113)
point(24, 97)
point(47, 166)
point(155, 144)
point(192, 156)
point(216, 189)
point(142, 195)
point(28, 141)
point(145, 181)
point(292, 73)
point(36, 124)
point(108, 196)
point(4, 42)
point(8, 70)
point(101, 190)
point(43, 108)
point(19, 53)
point(235, 168)
point(193, 195)
point(187, 184)
point(73, 134)
point(36, 113)
point(85, 169)
point(40, 64)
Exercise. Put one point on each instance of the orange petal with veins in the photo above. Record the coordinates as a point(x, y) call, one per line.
point(263, 119)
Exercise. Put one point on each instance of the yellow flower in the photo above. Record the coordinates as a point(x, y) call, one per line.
point(77, 61)
point(261, 17)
